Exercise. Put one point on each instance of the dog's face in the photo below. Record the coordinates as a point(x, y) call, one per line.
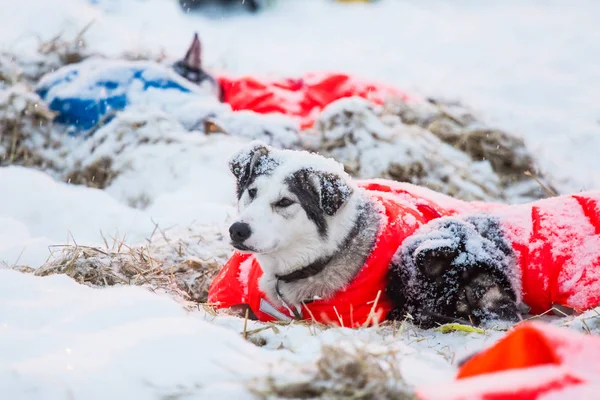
point(285, 199)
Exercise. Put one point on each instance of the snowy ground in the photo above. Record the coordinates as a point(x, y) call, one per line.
point(529, 68)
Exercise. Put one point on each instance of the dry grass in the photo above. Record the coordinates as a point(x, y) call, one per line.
point(457, 126)
point(344, 372)
point(160, 265)
point(437, 145)
point(98, 174)
point(145, 55)
point(68, 51)
point(25, 128)
point(51, 55)
point(10, 73)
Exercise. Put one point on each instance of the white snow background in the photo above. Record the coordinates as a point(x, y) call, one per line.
point(527, 66)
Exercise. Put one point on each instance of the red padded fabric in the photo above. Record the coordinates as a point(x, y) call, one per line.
point(301, 98)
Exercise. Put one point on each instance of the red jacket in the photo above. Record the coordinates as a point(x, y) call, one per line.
point(301, 98)
point(556, 241)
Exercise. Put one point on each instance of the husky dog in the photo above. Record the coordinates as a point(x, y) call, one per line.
point(190, 67)
point(311, 228)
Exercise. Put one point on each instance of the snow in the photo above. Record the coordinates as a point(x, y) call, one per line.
point(150, 347)
point(54, 213)
point(59, 338)
point(528, 68)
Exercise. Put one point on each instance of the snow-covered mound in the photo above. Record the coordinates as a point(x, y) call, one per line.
point(145, 154)
point(426, 145)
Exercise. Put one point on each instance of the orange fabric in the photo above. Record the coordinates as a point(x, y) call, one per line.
point(301, 98)
point(238, 281)
point(527, 347)
point(532, 360)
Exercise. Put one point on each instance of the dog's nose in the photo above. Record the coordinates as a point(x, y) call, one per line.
point(239, 231)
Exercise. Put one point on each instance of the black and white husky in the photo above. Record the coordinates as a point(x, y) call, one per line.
point(311, 229)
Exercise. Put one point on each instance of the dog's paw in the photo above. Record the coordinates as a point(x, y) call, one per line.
point(484, 295)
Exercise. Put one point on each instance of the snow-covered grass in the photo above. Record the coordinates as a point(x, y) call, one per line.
point(525, 66)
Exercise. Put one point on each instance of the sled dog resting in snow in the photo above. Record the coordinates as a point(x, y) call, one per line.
point(314, 244)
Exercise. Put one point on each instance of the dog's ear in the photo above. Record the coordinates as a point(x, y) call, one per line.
point(193, 57)
point(333, 191)
point(245, 164)
point(326, 190)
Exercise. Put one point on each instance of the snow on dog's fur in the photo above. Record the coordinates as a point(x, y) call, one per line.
point(312, 229)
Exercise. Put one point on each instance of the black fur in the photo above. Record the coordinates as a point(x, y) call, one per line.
point(320, 194)
point(301, 185)
point(247, 166)
point(198, 76)
point(334, 192)
point(319, 264)
point(193, 74)
point(190, 67)
point(449, 270)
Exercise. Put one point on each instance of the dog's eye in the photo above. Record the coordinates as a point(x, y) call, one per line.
point(252, 193)
point(284, 202)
